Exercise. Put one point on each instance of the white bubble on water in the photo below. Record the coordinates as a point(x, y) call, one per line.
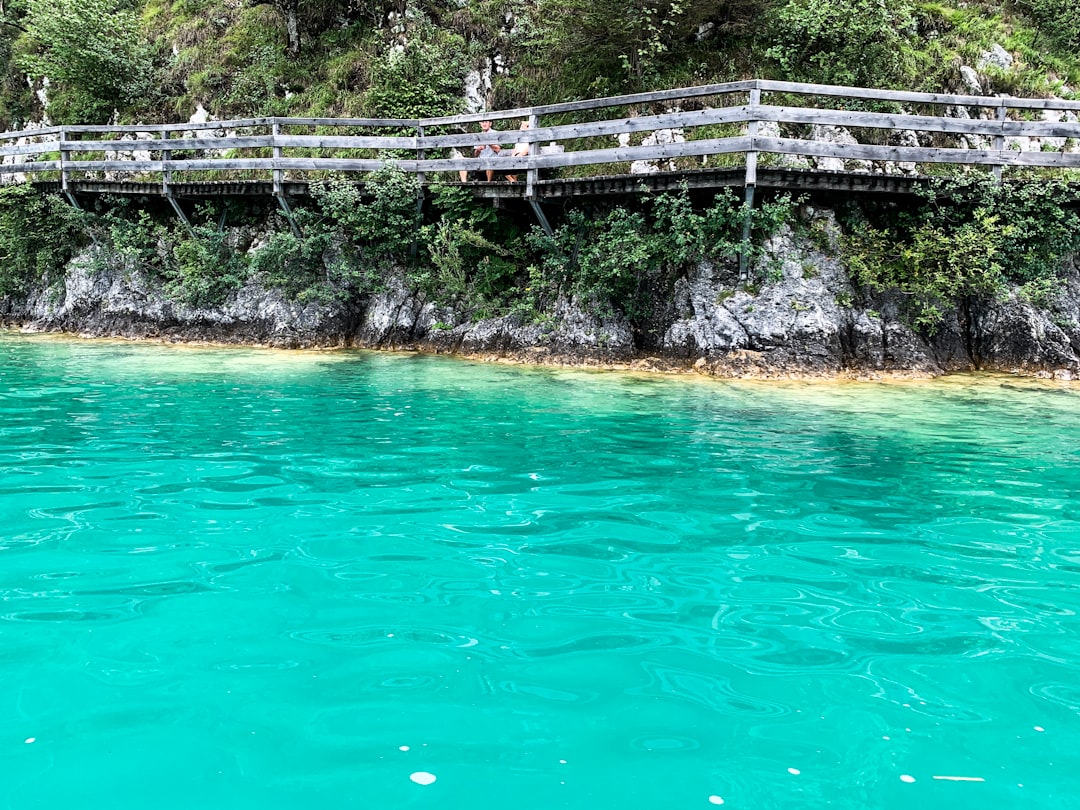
point(1039, 728)
point(422, 777)
point(904, 777)
point(30, 740)
point(794, 771)
point(403, 748)
point(715, 800)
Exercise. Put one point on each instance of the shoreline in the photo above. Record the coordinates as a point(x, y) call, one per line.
point(736, 367)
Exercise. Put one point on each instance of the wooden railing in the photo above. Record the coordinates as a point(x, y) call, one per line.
point(716, 120)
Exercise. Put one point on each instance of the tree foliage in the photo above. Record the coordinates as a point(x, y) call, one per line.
point(619, 260)
point(867, 43)
point(970, 240)
point(38, 234)
point(609, 46)
point(91, 53)
point(422, 79)
point(1058, 18)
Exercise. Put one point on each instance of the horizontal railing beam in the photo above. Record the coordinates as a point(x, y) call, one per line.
point(322, 145)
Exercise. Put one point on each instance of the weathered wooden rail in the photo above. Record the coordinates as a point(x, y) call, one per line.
point(708, 130)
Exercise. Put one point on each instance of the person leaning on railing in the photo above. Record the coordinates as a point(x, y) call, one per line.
point(521, 149)
point(480, 150)
point(487, 149)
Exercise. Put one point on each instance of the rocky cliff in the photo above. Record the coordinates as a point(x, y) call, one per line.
point(802, 317)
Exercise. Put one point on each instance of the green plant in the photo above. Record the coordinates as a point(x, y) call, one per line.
point(381, 218)
point(970, 240)
point(869, 43)
point(206, 267)
point(128, 239)
point(1058, 18)
point(91, 53)
point(625, 260)
point(1041, 292)
point(39, 233)
point(421, 80)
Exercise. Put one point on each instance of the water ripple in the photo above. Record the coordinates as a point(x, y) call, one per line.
point(651, 590)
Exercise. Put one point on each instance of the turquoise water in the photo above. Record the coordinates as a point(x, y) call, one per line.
point(252, 579)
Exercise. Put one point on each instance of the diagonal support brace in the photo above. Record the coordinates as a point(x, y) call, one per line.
point(540, 216)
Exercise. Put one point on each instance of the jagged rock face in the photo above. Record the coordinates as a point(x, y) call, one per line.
point(112, 302)
point(798, 314)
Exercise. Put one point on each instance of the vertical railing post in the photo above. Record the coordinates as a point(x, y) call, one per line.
point(421, 154)
point(421, 178)
point(166, 170)
point(750, 183)
point(65, 174)
point(166, 182)
point(532, 174)
point(751, 133)
point(279, 174)
point(64, 178)
point(279, 180)
point(999, 139)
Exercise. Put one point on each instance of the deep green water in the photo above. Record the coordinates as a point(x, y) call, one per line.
point(250, 579)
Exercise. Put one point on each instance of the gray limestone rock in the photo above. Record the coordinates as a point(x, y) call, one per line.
point(996, 57)
point(970, 78)
point(797, 313)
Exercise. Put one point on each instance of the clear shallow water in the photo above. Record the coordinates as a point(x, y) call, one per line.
point(236, 578)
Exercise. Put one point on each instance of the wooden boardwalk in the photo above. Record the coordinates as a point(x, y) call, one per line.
point(752, 134)
point(597, 186)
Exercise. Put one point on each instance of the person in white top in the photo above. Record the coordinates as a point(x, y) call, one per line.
point(520, 150)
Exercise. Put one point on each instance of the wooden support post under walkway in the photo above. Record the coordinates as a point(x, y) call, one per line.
point(531, 177)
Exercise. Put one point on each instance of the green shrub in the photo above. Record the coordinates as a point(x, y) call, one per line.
point(868, 43)
point(39, 233)
point(381, 218)
point(1058, 18)
point(623, 260)
point(92, 54)
point(423, 80)
point(129, 239)
point(970, 240)
point(206, 268)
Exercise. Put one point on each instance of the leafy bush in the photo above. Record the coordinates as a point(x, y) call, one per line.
point(39, 233)
point(620, 261)
point(971, 240)
point(293, 264)
point(352, 234)
point(1058, 18)
point(381, 218)
point(868, 43)
point(91, 52)
point(472, 258)
point(206, 268)
point(127, 239)
point(424, 79)
point(936, 267)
